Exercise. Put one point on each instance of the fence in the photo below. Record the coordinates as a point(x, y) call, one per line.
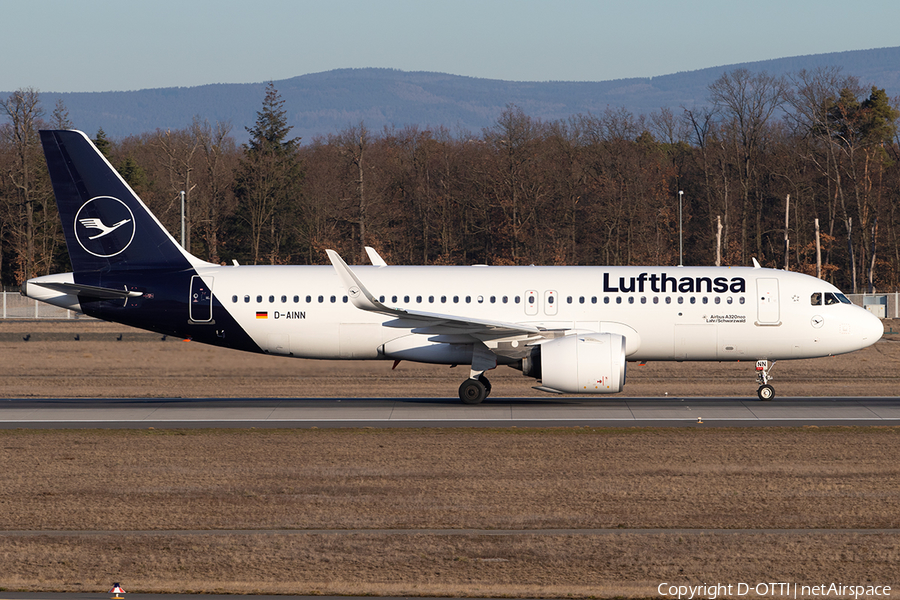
point(16, 306)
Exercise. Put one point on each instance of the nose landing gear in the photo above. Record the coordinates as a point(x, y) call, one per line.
point(765, 391)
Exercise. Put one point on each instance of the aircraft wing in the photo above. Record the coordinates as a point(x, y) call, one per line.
point(363, 299)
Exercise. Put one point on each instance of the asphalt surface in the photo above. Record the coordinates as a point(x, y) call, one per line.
point(137, 413)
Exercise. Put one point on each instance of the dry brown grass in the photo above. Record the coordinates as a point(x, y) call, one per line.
point(414, 479)
point(177, 368)
point(177, 481)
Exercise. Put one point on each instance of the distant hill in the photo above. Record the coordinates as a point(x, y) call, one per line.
point(324, 103)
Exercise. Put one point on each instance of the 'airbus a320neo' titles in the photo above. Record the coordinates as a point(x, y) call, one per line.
point(572, 328)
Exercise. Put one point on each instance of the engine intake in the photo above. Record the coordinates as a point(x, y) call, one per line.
point(592, 363)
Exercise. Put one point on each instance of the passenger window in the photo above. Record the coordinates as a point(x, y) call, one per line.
point(618, 299)
point(381, 299)
point(418, 299)
point(259, 299)
point(309, 299)
point(345, 299)
point(606, 300)
point(717, 300)
point(234, 298)
point(581, 300)
point(630, 299)
point(321, 299)
point(680, 299)
point(493, 299)
point(516, 299)
point(505, 299)
point(655, 299)
point(246, 298)
point(430, 299)
point(569, 300)
point(406, 299)
point(443, 299)
point(741, 300)
point(729, 300)
point(816, 299)
point(550, 299)
point(468, 299)
point(271, 298)
point(693, 300)
point(296, 299)
point(480, 299)
point(394, 299)
point(705, 300)
point(455, 299)
point(594, 300)
point(668, 300)
point(283, 299)
point(643, 299)
point(333, 299)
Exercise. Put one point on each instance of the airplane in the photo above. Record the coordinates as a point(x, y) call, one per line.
point(572, 328)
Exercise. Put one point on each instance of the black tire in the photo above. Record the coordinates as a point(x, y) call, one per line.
point(765, 392)
point(472, 391)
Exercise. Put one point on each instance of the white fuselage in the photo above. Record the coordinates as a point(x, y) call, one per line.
point(664, 313)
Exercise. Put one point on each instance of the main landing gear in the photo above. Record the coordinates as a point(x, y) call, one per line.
point(475, 390)
point(765, 391)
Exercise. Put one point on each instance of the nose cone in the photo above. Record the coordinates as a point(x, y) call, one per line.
point(870, 327)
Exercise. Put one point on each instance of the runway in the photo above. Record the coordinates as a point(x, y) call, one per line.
point(137, 413)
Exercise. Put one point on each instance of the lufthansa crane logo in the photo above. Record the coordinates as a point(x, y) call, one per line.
point(104, 226)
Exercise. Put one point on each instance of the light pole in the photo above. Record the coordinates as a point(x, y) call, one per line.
point(182, 218)
point(680, 231)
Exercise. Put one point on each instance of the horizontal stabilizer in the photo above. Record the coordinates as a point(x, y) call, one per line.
point(86, 291)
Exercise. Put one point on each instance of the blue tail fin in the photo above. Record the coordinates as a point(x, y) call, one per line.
point(107, 226)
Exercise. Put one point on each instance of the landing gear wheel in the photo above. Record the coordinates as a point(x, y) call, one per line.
point(487, 385)
point(472, 391)
point(765, 391)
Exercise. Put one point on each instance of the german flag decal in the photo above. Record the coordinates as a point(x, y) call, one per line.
point(262, 314)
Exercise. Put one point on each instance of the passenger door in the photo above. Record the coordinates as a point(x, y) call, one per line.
point(200, 300)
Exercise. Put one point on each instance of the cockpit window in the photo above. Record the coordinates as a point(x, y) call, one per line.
point(831, 298)
point(844, 299)
point(816, 299)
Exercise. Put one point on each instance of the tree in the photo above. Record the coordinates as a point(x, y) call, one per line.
point(268, 181)
point(178, 150)
point(24, 112)
point(60, 117)
point(103, 144)
point(748, 101)
point(354, 143)
point(216, 194)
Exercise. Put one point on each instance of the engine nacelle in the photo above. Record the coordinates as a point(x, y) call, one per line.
point(591, 363)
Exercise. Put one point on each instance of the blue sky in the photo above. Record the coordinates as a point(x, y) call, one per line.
point(100, 45)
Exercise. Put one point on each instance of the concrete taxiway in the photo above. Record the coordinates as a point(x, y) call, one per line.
point(47, 413)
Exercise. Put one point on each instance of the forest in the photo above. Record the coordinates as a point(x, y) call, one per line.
point(799, 172)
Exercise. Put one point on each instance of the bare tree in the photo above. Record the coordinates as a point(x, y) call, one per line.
point(748, 101)
point(24, 112)
point(215, 202)
point(177, 155)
